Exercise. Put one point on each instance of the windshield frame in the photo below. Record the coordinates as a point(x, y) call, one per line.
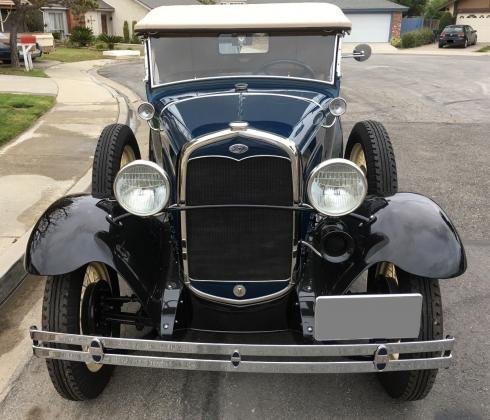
point(334, 67)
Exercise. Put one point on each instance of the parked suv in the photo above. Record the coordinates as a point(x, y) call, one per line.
point(458, 35)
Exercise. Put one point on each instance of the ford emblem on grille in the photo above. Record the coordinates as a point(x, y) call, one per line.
point(238, 149)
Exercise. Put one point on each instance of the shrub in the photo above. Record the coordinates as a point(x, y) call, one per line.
point(446, 19)
point(99, 45)
point(396, 42)
point(110, 40)
point(135, 39)
point(126, 31)
point(81, 36)
point(33, 20)
point(417, 38)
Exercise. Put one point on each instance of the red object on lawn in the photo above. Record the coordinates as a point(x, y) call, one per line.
point(27, 39)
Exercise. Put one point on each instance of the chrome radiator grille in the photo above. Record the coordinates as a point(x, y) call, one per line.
point(237, 243)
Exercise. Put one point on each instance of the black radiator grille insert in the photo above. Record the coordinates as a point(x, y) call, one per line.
point(239, 244)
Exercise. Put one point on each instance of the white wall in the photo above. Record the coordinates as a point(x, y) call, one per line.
point(128, 10)
point(369, 27)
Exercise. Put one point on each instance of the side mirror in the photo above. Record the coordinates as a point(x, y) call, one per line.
point(362, 52)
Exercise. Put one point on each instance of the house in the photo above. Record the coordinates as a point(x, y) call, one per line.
point(58, 19)
point(373, 20)
point(475, 13)
point(134, 10)
point(6, 7)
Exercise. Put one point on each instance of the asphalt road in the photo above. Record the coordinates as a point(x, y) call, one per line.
point(436, 110)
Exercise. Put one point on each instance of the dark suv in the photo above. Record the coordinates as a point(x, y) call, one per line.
point(458, 35)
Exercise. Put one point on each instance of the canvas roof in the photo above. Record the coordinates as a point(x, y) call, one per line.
point(244, 16)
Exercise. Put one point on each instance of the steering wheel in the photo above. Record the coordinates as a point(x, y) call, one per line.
point(305, 70)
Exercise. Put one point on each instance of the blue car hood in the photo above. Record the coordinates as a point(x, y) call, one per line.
point(289, 115)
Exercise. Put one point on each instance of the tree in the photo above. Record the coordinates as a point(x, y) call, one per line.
point(416, 7)
point(23, 7)
point(433, 9)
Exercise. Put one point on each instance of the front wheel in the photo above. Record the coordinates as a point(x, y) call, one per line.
point(370, 148)
point(410, 385)
point(71, 304)
point(116, 148)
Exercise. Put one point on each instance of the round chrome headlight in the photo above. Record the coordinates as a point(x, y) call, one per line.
point(337, 106)
point(142, 188)
point(336, 187)
point(146, 111)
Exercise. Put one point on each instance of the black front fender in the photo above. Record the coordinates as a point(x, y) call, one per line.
point(415, 234)
point(74, 231)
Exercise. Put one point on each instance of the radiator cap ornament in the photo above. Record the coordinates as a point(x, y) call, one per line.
point(239, 290)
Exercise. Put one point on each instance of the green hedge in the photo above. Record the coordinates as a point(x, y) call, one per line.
point(417, 38)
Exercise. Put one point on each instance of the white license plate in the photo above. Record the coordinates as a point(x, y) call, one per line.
point(350, 317)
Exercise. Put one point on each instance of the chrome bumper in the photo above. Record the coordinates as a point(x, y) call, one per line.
point(258, 358)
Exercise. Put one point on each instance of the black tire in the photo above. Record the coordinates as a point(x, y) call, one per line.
point(414, 384)
point(379, 156)
point(107, 159)
point(61, 313)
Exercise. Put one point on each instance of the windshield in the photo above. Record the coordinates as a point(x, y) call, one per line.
point(177, 58)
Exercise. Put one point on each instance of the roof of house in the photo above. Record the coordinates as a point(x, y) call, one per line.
point(152, 4)
point(102, 5)
point(9, 3)
point(244, 17)
point(353, 6)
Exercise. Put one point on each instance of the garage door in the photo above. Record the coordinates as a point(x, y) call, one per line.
point(369, 27)
point(480, 22)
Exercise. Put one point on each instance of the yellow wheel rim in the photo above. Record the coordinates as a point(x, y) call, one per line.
point(95, 272)
point(127, 156)
point(357, 156)
point(388, 271)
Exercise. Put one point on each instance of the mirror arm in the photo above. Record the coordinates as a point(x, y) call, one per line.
point(354, 55)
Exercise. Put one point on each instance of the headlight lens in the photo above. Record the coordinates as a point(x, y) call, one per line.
point(336, 187)
point(337, 106)
point(142, 188)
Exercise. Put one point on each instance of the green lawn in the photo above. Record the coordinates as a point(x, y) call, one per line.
point(484, 49)
point(69, 55)
point(5, 69)
point(18, 112)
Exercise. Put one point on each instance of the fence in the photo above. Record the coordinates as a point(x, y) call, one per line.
point(413, 23)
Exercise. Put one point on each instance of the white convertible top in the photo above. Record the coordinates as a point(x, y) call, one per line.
point(244, 17)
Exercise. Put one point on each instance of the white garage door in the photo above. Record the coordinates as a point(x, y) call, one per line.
point(480, 22)
point(369, 27)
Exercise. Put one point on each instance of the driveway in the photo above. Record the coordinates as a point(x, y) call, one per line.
point(438, 119)
point(434, 49)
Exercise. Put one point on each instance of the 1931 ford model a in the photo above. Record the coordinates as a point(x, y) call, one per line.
point(244, 237)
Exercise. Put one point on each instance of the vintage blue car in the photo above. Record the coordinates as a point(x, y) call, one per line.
point(253, 239)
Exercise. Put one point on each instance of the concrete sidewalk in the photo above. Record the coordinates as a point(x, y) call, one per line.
point(53, 157)
point(26, 84)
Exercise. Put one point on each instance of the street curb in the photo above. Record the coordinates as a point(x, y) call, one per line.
point(12, 274)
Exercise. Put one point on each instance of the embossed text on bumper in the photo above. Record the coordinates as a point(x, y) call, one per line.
point(316, 358)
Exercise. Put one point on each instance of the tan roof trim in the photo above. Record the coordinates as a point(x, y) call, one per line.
point(244, 16)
